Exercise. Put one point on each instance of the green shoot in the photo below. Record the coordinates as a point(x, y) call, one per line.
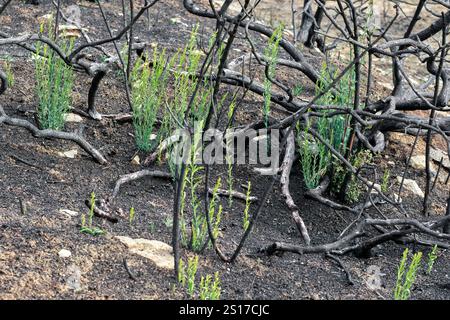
point(432, 256)
point(8, 71)
point(131, 216)
point(88, 227)
point(405, 279)
point(271, 55)
point(148, 86)
point(209, 289)
point(191, 272)
point(54, 84)
point(297, 90)
point(385, 181)
point(246, 220)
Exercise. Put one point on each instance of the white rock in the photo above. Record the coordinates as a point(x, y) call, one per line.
point(418, 162)
point(412, 186)
point(72, 117)
point(68, 154)
point(160, 253)
point(136, 160)
point(68, 212)
point(64, 253)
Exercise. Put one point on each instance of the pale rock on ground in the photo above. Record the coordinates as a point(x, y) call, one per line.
point(64, 253)
point(68, 212)
point(412, 186)
point(160, 253)
point(68, 154)
point(72, 117)
point(136, 160)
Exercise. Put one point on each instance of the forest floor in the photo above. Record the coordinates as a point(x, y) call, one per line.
point(33, 172)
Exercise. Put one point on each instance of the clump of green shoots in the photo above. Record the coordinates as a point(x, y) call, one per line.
point(316, 158)
point(8, 71)
point(196, 238)
point(354, 189)
point(191, 273)
point(432, 256)
point(406, 278)
point(54, 83)
point(271, 56)
point(87, 227)
point(246, 220)
point(187, 274)
point(199, 226)
point(208, 289)
point(148, 87)
point(297, 90)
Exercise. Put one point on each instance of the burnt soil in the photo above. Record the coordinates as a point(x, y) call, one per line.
point(32, 172)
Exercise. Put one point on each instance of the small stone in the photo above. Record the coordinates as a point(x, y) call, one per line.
point(412, 186)
point(68, 154)
point(419, 162)
point(72, 117)
point(70, 213)
point(56, 174)
point(64, 253)
point(160, 253)
point(136, 160)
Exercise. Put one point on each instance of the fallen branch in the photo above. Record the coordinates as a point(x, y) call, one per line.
point(234, 194)
point(101, 213)
point(317, 194)
point(138, 175)
point(52, 134)
point(284, 180)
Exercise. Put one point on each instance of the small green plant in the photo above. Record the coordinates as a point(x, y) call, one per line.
point(151, 227)
point(187, 274)
point(124, 55)
point(54, 84)
point(432, 256)
point(148, 87)
point(354, 189)
point(271, 55)
point(131, 215)
point(314, 157)
point(406, 278)
point(209, 288)
point(297, 90)
point(385, 181)
point(197, 237)
point(191, 273)
point(8, 71)
point(88, 227)
point(246, 220)
point(168, 222)
point(230, 154)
